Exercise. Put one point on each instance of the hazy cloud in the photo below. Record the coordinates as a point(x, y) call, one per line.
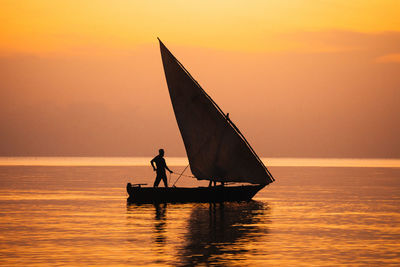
point(389, 58)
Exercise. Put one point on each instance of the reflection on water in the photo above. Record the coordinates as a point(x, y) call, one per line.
point(213, 233)
point(219, 233)
point(311, 216)
point(160, 223)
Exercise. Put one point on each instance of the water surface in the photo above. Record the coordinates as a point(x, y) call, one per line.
point(78, 215)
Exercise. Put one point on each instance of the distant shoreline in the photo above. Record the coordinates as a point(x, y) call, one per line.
point(182, 161)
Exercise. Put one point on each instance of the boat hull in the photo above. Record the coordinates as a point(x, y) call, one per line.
point(139, 194)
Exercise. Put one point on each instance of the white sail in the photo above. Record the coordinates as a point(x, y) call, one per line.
point(215, 147)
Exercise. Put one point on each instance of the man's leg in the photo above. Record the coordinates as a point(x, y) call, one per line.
point(164, 178)
point(157, 181)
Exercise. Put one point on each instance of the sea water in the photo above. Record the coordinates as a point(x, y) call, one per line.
point(78, 215)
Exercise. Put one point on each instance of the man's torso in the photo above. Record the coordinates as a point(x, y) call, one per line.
point(160, 164)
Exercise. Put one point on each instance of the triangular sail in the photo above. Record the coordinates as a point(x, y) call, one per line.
point(215, 147)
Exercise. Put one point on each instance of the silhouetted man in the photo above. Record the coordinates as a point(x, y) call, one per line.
point(161, 166)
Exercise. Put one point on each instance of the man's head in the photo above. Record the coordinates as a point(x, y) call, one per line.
point(161, 152)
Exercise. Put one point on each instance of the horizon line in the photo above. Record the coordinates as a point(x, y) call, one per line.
point(183, 161)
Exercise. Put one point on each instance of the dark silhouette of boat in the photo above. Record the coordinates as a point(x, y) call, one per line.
point(189, 194)
point(216, 149)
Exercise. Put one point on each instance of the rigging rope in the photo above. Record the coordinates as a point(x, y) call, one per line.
point(180, 175)
point(184, 175)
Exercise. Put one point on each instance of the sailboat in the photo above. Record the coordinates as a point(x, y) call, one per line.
point(216, 149)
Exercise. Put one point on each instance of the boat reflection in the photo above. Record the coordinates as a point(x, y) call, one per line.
point(221, 232)
point(199, 233)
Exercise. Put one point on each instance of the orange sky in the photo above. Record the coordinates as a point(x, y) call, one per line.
point(300, 78)
point(44, 26)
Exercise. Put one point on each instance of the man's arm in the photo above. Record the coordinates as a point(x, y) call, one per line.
point(152, 164)
point(168, 168)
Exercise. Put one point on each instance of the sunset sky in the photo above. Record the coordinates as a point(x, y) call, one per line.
point(299, 78)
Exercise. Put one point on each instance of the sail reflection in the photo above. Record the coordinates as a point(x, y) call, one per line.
point(221, 232)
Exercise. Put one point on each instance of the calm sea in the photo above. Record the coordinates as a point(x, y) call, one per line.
point(73, 211)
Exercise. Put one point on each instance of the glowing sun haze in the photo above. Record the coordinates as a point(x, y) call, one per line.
point(300, 78)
